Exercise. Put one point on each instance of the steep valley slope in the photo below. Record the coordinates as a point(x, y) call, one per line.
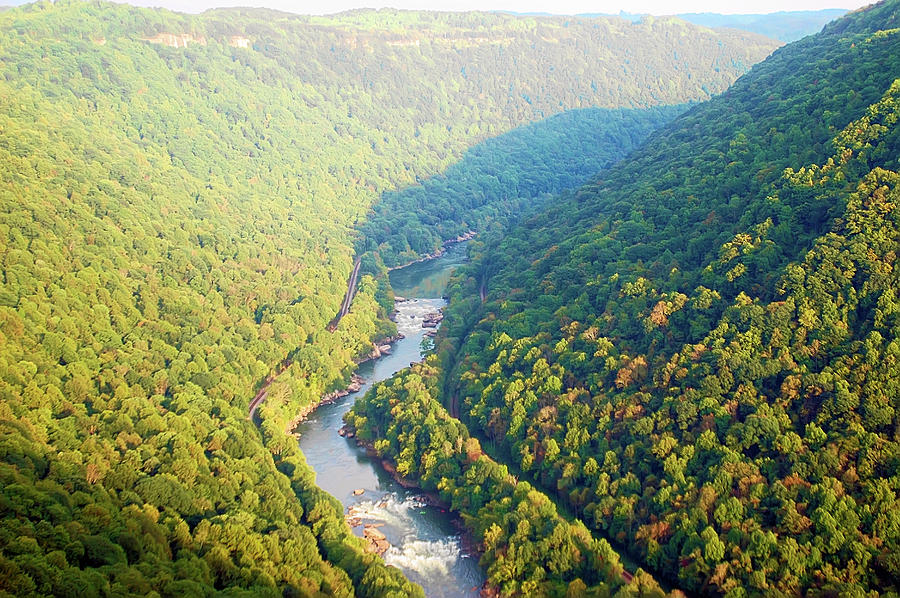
point(697, 353)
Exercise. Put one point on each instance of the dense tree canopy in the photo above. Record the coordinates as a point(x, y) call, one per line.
point(178, 196)
point(528, 548)
point(696, 353)
point(499, 178)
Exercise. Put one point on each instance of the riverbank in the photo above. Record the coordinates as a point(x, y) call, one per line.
point(376, 542)
point(355, 384)
point(426, 541)
point(468, 236)
point(379, 349)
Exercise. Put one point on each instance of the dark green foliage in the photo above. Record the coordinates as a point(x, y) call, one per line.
point(499, 178)
point(697, 353)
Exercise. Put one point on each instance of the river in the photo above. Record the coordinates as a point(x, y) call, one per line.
point(426, 543)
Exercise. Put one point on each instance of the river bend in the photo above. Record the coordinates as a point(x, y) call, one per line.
point(426, 541)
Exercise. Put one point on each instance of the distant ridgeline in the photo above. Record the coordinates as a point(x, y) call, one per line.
point(787, 26)
point(178, 201)
point(698, 354)
point(505, 175)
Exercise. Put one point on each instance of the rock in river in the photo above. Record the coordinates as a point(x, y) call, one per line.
point(376, 541)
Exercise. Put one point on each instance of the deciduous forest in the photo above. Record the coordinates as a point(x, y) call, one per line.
point(179, 202)
point(695, 353)
point(675, 342)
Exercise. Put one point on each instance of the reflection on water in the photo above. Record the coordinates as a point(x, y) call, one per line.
point(425, 540)
point(428, 279)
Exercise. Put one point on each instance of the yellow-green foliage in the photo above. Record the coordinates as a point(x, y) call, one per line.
point(529, 549)
point(178, 196)
point(698, 353)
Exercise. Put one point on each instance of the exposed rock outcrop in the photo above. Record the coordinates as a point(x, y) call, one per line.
point(176, 40)
point(376, 541)
point(432, 320)
point(355, 385)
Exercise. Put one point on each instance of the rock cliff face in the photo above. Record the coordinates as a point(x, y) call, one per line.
point(176, 40)
point(183, 40)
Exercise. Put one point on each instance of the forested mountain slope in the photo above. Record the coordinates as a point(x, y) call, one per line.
point(178, 196)
point(528, 547)
point(697, 353)
point(501, 176)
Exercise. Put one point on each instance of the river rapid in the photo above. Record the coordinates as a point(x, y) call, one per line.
point(426, 541)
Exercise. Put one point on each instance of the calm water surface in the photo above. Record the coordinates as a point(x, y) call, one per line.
point(425, 541)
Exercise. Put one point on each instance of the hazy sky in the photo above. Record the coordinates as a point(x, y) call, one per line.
point(657, 7)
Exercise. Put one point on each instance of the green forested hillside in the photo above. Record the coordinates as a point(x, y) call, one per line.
point(528, 547)
point(697, 353)
point(178, 196)
point(504, 175)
